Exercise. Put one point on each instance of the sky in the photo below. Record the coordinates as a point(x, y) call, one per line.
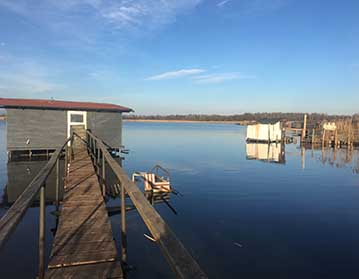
point(185, 56)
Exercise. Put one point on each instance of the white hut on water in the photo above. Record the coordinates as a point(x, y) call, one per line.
point(265, 132)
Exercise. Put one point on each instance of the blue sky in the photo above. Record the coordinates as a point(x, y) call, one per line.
point(189, 56)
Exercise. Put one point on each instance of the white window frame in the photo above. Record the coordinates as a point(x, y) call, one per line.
point(69, 123)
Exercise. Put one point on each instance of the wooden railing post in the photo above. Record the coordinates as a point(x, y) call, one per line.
point(42, 233)
point(71, 147)
point(92, 146)
point(66, 158)
point(98, 161)
point(123, 225)
point(103, 174)
point(57, 198)
point(88, 142)
point(94, 150)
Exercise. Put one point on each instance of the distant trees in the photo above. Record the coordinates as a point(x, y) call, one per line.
point(312, 117)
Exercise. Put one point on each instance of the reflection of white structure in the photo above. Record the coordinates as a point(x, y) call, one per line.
point(264, 132)
point(266, 152)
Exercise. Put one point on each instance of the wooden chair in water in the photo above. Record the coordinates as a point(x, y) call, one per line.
point(153, 181)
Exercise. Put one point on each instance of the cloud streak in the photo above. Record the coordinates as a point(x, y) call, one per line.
point(176, 74)
point(222, 3)
point(221, 77)
point(197, 76)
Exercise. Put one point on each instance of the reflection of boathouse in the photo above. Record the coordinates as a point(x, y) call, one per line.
point(20, 174)
point(273, 153)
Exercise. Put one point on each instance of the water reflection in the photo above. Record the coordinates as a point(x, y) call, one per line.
point(20, 173)
point(160, 197)
point(272, 153)
point(340, 158)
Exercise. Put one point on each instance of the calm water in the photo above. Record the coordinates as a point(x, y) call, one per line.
point(238, 216)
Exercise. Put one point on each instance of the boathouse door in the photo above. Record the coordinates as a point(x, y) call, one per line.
point(77, 122)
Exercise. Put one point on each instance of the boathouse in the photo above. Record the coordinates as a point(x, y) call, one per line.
point(265, 132)
point(43, 125)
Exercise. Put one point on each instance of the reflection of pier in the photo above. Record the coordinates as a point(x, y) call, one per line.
point(335, 157)
point(272, 153)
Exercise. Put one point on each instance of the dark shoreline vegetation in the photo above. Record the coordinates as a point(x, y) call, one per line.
point(245, 117)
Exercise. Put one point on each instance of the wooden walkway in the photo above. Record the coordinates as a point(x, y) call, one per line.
point(83, 246)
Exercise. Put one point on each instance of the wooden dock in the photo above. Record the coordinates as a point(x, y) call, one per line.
point(83, 246)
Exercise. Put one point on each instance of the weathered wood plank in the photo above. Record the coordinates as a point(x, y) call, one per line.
point(83, 246)
point(82, 258)
point(111, 270)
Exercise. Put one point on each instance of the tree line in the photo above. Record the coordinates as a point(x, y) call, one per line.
point(265, 116)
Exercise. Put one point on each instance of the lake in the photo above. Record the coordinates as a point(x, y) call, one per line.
point(243, 211)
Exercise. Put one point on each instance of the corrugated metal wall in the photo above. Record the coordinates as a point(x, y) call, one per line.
point(107, 126)
point(35, 129)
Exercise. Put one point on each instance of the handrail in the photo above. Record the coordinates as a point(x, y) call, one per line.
point(14, 214)
point(175, 253)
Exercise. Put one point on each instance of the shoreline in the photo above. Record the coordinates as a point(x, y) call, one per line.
point(180, 121)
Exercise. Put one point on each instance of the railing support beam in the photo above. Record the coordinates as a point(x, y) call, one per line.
point(123, 225)
point(57, 198)
point(42, 233)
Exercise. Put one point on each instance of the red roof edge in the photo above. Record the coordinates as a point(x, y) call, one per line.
point(60, 105)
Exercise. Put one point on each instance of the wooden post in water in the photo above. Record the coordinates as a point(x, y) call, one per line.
point(313, 136)
point(123, 225)
point(304, 131)
point(323, 139)
point(42, 233)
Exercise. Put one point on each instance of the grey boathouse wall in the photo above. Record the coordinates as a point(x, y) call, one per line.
point(35, 129)
point(107, 126)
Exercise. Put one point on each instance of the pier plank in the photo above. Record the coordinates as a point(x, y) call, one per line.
point(83, 246)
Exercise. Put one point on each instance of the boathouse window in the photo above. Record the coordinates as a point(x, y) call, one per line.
point(77, 118)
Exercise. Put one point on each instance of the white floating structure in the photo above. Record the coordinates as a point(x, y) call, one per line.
point(265, 133)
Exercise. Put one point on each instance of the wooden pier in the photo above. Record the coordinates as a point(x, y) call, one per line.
point(84, 245)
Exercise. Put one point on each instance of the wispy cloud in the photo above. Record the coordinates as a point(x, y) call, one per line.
point(197, 76)
point(222, 3)
point(121, 14)
point(176, 74)
point(221, 77)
